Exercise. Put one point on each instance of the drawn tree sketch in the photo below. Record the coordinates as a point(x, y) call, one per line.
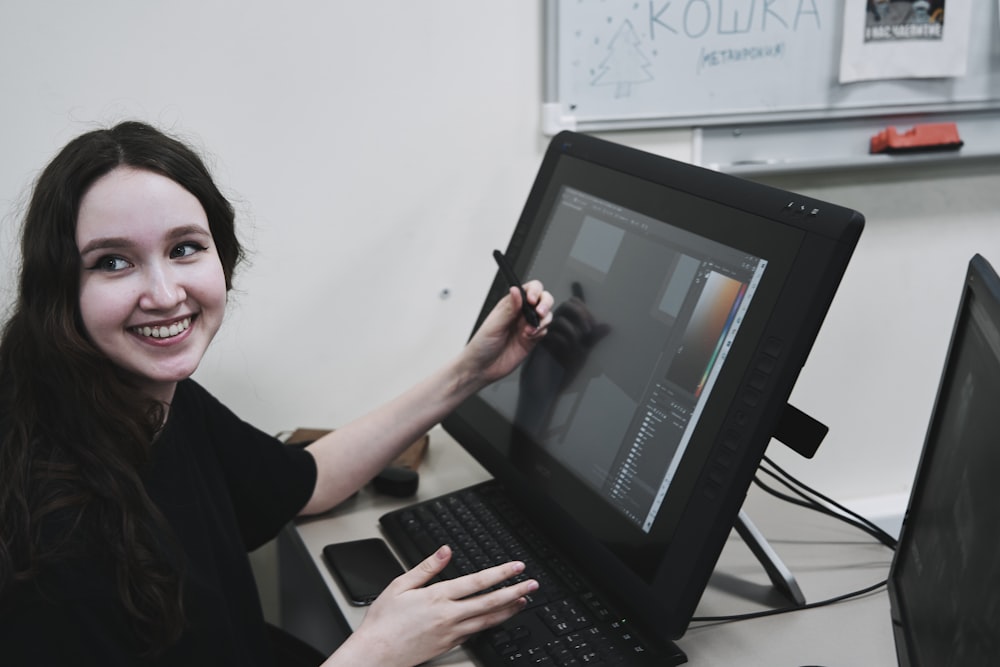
point(625, 64)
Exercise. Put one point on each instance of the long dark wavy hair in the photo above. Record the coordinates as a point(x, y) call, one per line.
point(76, 434)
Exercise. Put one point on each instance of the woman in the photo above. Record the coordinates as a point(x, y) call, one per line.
point(129, 496)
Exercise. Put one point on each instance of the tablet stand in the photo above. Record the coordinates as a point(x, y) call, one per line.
point(802, 434)
point(781, 577)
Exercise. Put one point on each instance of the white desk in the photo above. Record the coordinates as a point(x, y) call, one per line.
point(827, 557)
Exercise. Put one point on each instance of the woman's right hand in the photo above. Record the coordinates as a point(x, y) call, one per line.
point(411, 622)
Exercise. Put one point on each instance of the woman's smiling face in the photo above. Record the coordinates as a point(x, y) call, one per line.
point(152, 288)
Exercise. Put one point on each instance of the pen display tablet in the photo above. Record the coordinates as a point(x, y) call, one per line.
point(686, 303)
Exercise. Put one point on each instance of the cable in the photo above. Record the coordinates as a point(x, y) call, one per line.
point(861, 524)
point(807, 497)
point(882, 536)
point(785, 610)
point(798, 487)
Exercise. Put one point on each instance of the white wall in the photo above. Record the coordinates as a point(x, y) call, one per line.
point(378, 151)
point(873, 373)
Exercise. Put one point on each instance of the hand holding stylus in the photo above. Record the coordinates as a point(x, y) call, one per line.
point(508, 273)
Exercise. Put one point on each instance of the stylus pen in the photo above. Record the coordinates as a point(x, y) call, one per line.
point(508, 273)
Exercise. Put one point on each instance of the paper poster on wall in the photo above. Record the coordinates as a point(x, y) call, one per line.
point(904, 39)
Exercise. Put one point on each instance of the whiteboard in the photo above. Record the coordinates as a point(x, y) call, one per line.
point(619, 64)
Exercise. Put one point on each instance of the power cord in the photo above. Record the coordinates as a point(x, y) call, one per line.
point(803, 492)
point(803, 495)
point(785, 610)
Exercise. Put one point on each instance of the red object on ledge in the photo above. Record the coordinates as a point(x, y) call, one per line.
point(925, 137)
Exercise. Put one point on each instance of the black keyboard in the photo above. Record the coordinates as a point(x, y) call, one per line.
point(565, 622)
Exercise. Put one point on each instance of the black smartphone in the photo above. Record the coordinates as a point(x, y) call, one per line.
point(363, 568)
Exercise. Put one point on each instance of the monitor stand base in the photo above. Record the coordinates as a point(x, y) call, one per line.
point(781, 577)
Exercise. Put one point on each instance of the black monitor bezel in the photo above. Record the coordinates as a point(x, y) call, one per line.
point(982, 287)
point(825, 239)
